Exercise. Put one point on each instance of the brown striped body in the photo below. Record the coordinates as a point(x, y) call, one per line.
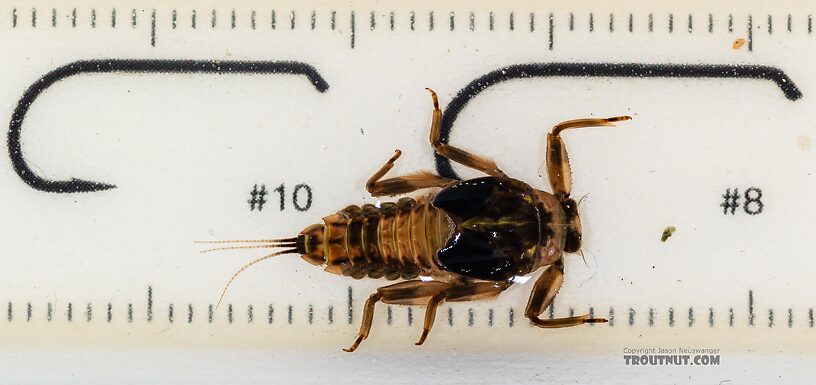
point(396, 240)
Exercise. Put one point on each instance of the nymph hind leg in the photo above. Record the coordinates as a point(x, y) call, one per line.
point(459, 293)
point(558, 168)
point(544, 291)
point(407, 293)
point(485, 165)
point(402, 184)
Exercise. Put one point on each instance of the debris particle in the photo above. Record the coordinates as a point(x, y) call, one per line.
point(667, 233)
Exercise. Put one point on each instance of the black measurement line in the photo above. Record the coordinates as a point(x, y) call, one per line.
point(130, 313)
point(250, 314)
point(690, 24)
point(671, 22)
point(331, 314)
point(193, 15)
point(453, 25)
point(651, 23)
point(450, 316)
point(232, 19)
point(490, 316)
point(310, 315)
point(730, 23)
point(491, 20)
point(93, 18)
point(53, 17)
point(651, 316)
point(591, 22)
point(73, 18)
point(253, 20)
point(28, 312)
point(389, 315)
point(189, 313)
point(34, 17)
point(334, 21)
point(88, 313)
point(292, 20)
point(113, 18)
point(49, 312)
point(411, 21)
point(731, 317)
point(173, 19)
point(770, 318)
point(810, 317)
point(210, 313)
point(430, 21)
point(229, 313)
point(129, 66)
point(512, 22)
point(690, 317)
point(532, 22)
point(272, 20)
point(710, 23)
point(511, 317)
point(611, 316)
point(631, 23)
point(391, 20)
point(270, 315)
point(410, 316)
point(213, 19)
point(611, 23)
point(571, 22)
point(790, 23)
point(372, 21)
point(585, 70)
point(69, 312)
point(109, 313)
point(313, 21)
point(790, 318)
point(770, 25)
point(472, 22)
point(133, 18)
point(170, 313)
point(711, 317)
point(471, 317)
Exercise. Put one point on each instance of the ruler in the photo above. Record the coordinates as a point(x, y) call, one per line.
point(136, 129)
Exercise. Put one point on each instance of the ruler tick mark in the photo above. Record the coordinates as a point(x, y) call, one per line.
point(631, 317)
point(250, 314)
point(472, 21)
point(512, 21)
point(210, 313)
point(292, 20)
point(270, 315)
point(189, 313)
point(54, 17)
point(313, 21)
point(289, 314)
point(490, 317)
point(412, 20)
point(711, 317)
point(49, 312)
point(731, 317)
point(149, 303)
point(372, 20)
point(571, 22)
point(232, 19)
point(173, 19)
point(750, 33)
point(631, 23)
point(69, 312)
point(770, 25)
point(452, 25)
point(450, 316)
point(14, 18)
point(229, 313)
point(334, 20)
point(88, 313)
point(511, 317)
point(810, 317)
point(730, 23)
point(491, 20)
point(213, 19)
point(34, 17)
point(651, 316)
point(790, 318)
point(691, 317)
point(790, 22)
point(130, 313)
point(133, 18)
point(93, 18)
point(310, 314)
point(671, 23)
point(611, 316)
point(28, 312)
point(389, 315)
point(651, 23)
point(471, 317)
point(73, 18)
point(350, 308)
point(353, 36)
point(391, 20)
point(113, 18)
point(331, 314)
point(430, 21)
point(810, 24)
point(550, 32)
point(410, 316)
point(153, 28)
point(710, 23)
point(193, 19)
point(170, 313)
point(109, 312)
point(611, 23)
point(770, 318)
point(750, 307)
point(690, 23)
point(591, 22)
point(272, 19)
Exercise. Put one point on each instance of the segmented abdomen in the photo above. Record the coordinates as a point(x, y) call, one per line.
point(396, 240)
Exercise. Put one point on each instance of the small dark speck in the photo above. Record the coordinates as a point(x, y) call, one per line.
point(667, 233)
point(362, 132)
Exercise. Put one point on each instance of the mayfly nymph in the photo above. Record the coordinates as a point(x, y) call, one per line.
point(471, 237)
